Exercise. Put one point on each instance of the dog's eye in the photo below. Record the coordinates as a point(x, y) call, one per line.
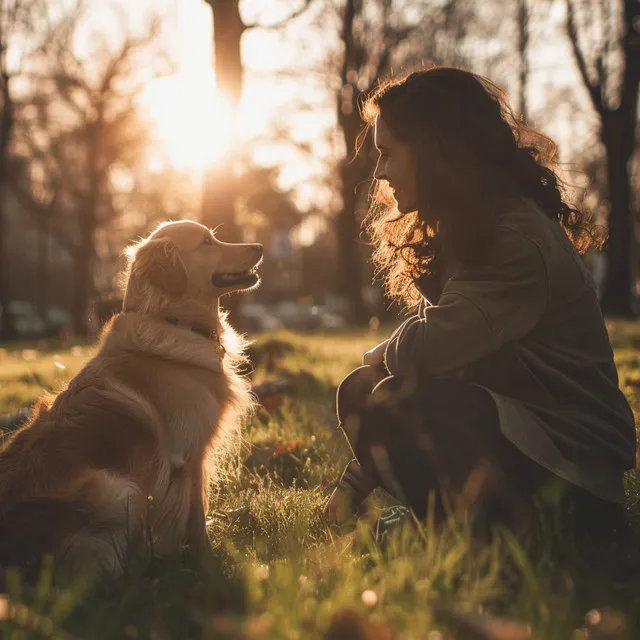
point(207, 240)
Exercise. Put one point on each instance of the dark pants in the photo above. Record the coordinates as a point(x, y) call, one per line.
point(443, 440)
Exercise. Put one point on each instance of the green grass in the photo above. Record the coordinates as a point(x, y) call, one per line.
point(279, 572)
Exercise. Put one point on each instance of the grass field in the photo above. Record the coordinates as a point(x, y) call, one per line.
point(280, 572)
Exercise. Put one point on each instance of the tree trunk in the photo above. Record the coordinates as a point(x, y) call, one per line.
point(353, 173)
point(7, 329)
point(87, 223)
point(220, 186)
point(523, 54)
point(218, 200)
point(43, 263)
point(82, 285)
point(350, 281)
point(618, 134)
point(617, 296)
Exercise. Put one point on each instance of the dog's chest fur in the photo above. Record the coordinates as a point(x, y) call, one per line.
point(178, 385)
point(182, 402)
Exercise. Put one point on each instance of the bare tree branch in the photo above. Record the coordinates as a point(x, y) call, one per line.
point(603, 69)
point(595, 91)
point(123, 57)
point(524, 26)
point(285, 21)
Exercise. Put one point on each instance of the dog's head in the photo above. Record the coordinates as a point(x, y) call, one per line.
point(183, 261)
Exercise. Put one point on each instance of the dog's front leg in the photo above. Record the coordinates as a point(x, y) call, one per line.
point(199, 546)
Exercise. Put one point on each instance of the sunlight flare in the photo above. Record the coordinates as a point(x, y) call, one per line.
point(191, 121)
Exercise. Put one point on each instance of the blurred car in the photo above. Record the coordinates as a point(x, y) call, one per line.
point(57, 319)
point(26, 319)
point(330, 319)
point(29, 323)
point(305, 316)
point(255, 318)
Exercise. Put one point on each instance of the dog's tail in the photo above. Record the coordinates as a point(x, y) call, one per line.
point(33, 528)
point(91, 525)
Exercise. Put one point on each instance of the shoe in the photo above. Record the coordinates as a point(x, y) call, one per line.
point(390, 519)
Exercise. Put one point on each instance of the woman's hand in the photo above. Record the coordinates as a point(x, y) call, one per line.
point(352, 489)
point(339, 507)
point(375, 357)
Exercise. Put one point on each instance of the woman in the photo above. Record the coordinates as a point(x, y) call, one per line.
point(502, 383)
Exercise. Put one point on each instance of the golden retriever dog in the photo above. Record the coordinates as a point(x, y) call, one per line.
point(130, 446)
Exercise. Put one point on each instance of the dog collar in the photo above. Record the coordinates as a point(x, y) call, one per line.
point(196, 328)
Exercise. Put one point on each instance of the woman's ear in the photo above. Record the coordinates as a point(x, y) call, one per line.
point(158, 263)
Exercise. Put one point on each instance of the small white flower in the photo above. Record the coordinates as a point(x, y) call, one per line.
point(369, 598)
point(593, 617)
point(262, 572)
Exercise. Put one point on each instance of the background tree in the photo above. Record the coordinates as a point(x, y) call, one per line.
point(18, 19)
point(368, 47)
point(221, 186)
point(522, 21)
point(82, 135)
point(378, 38)
point(270, 213)
point(605, 40)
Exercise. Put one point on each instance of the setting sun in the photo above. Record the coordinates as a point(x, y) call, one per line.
point(190, 119)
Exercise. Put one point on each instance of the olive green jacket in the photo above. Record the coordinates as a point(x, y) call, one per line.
point(526, 325)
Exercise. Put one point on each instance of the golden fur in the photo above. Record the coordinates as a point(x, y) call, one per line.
point(131, 445)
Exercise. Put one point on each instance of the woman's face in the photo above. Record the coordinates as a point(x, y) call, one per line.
point(395, 165)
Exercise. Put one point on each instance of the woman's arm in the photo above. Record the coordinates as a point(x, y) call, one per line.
point(478, 312)
point(375, 356)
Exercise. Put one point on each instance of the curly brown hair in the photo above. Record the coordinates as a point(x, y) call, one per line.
point(472, 156)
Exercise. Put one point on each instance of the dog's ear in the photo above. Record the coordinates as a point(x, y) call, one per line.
point(158, 263)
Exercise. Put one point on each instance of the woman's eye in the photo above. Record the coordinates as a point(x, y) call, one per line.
point(207, 240)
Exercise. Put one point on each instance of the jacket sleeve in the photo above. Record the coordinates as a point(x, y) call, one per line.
point(479, 311)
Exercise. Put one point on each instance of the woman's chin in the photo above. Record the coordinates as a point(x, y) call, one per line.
point(403, 209)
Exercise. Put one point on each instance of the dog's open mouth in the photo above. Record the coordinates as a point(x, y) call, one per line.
point(242, 279)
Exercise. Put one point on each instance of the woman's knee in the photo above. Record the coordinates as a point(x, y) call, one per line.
point(390, 391)
point(433, 397)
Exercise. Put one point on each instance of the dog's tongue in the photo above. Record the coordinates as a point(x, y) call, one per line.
point(225, 280)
